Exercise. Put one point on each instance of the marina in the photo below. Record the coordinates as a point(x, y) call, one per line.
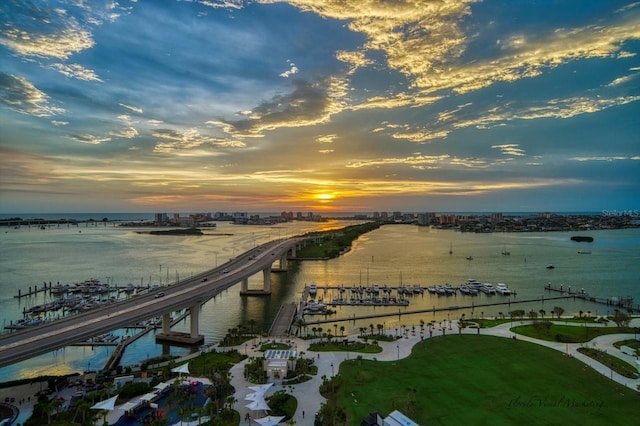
point(419, 256)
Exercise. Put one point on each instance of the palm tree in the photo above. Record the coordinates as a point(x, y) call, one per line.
point(380, 327)
point(342, 330)
point(335, 329)
point(300, 324)
point(542, 312)
point(558, 311)
point(371, 327)
point(314, 330)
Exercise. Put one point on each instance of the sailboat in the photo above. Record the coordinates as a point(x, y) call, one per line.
point(505, 252)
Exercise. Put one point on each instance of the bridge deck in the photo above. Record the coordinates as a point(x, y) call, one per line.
point(284, 319)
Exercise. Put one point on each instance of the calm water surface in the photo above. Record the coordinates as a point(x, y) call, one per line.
point(392, 255)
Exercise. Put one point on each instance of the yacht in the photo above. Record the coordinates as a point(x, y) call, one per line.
point(501, 288)
point(313, 289)
point(550, 266)
point(487, 288)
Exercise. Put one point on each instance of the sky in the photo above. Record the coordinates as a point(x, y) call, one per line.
point(319, 105)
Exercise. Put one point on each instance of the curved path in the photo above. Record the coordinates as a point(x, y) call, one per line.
point(310, 400)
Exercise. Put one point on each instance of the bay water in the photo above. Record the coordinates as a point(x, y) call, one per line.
point(392, 255)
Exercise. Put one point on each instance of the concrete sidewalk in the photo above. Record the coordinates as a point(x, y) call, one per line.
point(308, 395)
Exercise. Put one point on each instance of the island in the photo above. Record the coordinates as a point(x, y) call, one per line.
point(582, 239)
point(188, 231)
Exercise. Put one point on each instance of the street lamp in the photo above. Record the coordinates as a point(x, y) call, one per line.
point(398, 347)
point(332, 371)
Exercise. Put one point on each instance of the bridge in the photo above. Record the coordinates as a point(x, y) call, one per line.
point(189, 294)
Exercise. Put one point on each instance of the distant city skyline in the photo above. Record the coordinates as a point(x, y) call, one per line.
point(319, 105)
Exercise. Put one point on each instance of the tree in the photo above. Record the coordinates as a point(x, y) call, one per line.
point(380, 328)
point(342, 330)
point(371, 327)
point(533, 314)
point(558, 311)
point(542, 313)
point(620, 318)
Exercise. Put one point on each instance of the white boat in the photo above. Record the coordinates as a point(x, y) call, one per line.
point(313, 289)
point(501, 288)
point(487, 288)
point(550, 266)
point(469, 257)
point(376, 288)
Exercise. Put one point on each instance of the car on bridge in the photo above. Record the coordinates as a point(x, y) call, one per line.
point(159, 295)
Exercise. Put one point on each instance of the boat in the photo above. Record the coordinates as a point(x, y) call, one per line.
point(584, 252)
point(469, 257)
point(431, 290)
point(376, 288)
point(449, 290)
point(550, 266)
point(501, 288)
point(313, 289)
point(440, 290)
point(487, 288)
point(505, 252)
point(580, 239)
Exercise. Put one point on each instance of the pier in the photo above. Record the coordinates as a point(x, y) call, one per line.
point(400, 313)
point(614, 302)
point(283, 320)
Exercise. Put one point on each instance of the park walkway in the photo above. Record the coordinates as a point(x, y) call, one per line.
point(310, 400)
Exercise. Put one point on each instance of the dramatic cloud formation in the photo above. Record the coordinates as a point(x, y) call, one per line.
point(320, 104)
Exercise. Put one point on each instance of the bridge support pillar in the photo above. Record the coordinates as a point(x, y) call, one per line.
point(293, 251)
point(266, 287)
point(178, 338)
point(166, 323)
point(266, 275)
point(194, 312)
point(283, 262)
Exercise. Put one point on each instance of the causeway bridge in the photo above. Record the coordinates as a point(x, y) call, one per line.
point(189, 294)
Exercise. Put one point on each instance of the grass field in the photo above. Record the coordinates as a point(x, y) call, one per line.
point(484, 380)
point(567, 333)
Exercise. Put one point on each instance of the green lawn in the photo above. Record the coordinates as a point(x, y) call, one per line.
point(484, 380)
point(567, 333)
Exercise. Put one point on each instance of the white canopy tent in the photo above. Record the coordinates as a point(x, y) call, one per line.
point(107, 404)
point(269, 420)
point(183, 369)
point(258, 405)
point(261, 388)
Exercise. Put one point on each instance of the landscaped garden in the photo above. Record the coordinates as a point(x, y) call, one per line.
point(469, 379)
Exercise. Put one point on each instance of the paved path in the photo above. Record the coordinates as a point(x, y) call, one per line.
point(307, 394)
point(309, 398)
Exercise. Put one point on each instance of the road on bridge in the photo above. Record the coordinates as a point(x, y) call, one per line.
point(196, 290)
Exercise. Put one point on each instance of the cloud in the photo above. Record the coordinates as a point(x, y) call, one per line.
point(172, 141)
point(326, 138)
point(76, 71)
point(307, 104)
point(292, 70)
point(89, 139)
point(125, 132)
point(132, 108)
point(605, 158)
point(21, 96)
point(510, 149)
point(60, 38)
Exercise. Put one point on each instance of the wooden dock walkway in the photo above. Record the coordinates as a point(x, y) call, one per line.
point(283, 321)
point(400, 313)
point(614, 302)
